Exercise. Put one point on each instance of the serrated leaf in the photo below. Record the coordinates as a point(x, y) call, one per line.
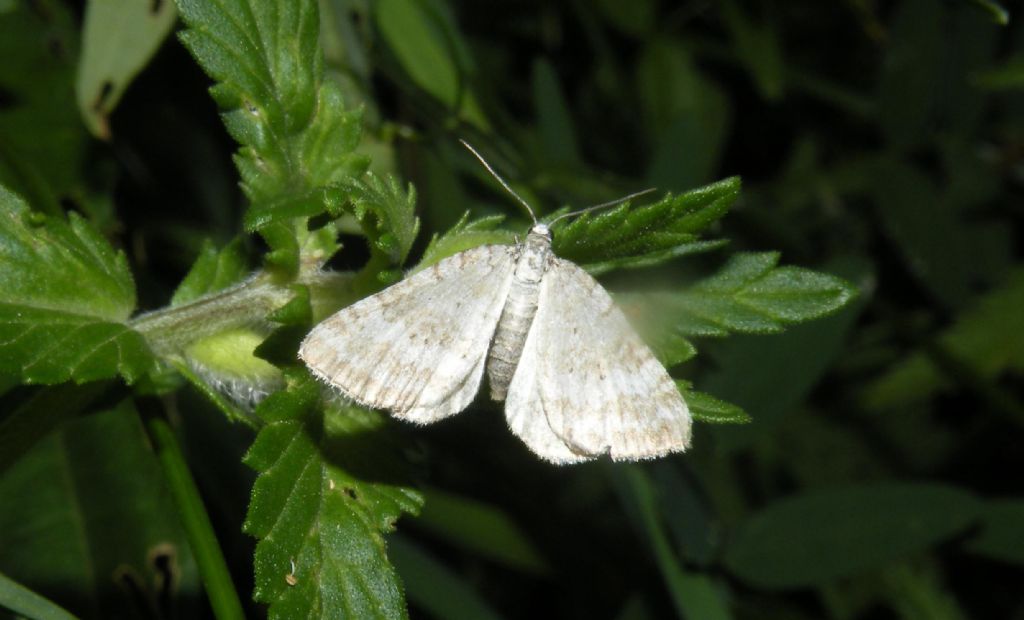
point(819, 537)
point(750, 294)
point(464, 236)
point(647, 235)
point(770, 376)
point(988, 337)
point(118, 39)
point(330, 486)
point(64, 297)
point(295, 134)
point(707, 408)
point(387, 214)
point(212, 271)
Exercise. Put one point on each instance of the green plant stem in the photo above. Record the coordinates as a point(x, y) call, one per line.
point(212, 567)
point(170, 329)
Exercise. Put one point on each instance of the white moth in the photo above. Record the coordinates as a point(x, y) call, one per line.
point(576, 379)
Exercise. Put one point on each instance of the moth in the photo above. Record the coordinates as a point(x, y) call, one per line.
point(576, 379)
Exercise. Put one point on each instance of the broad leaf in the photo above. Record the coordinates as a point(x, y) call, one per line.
point(427, 46)
point(434, 587)
point(118, 39)
point(647, 235)
point(295, 134)
point(86, 521)
point(43, 145)
point(481, 528)
point(819, 537)
point(26, 423)
point(64, 297)
point(330, 486)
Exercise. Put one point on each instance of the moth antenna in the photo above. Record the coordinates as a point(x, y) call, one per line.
point(603, 205)
point(494, 174)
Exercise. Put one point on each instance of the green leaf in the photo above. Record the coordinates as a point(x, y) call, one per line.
point(43, 145)
point(822, 536)
point(19, 599)
point(1000, 536)
point(118, 39)
point(750, 294)
point(988, 337)
point(1009, 75)
point(998, 13)
point(646, 235)
point(330, 485)
point(387, 214)
point(26, 423)
point(435, 588)
point(554, 119)
point(633, 18)
point(694, 595)
point(686, 115)
point(294, 132)
point(212, 271)
point(64, 297)
point(464, 236)
point(927, 231)
point(85, 520)
point(769, 376)
point(480, 528)
point(758, 47)
point(707, 408)
point(426, 47)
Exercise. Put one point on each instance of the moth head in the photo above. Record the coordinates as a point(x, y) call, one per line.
point(541, 230)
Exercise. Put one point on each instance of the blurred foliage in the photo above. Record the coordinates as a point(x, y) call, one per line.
point(858, 466)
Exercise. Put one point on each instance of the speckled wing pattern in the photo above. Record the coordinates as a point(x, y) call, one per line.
point(586, 384)
point(417, 348)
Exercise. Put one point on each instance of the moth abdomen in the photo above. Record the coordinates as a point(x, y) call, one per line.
point(510, 336)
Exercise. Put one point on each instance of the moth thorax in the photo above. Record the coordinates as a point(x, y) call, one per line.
point(535, 254)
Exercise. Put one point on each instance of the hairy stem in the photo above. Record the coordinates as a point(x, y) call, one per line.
point(170, 329)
